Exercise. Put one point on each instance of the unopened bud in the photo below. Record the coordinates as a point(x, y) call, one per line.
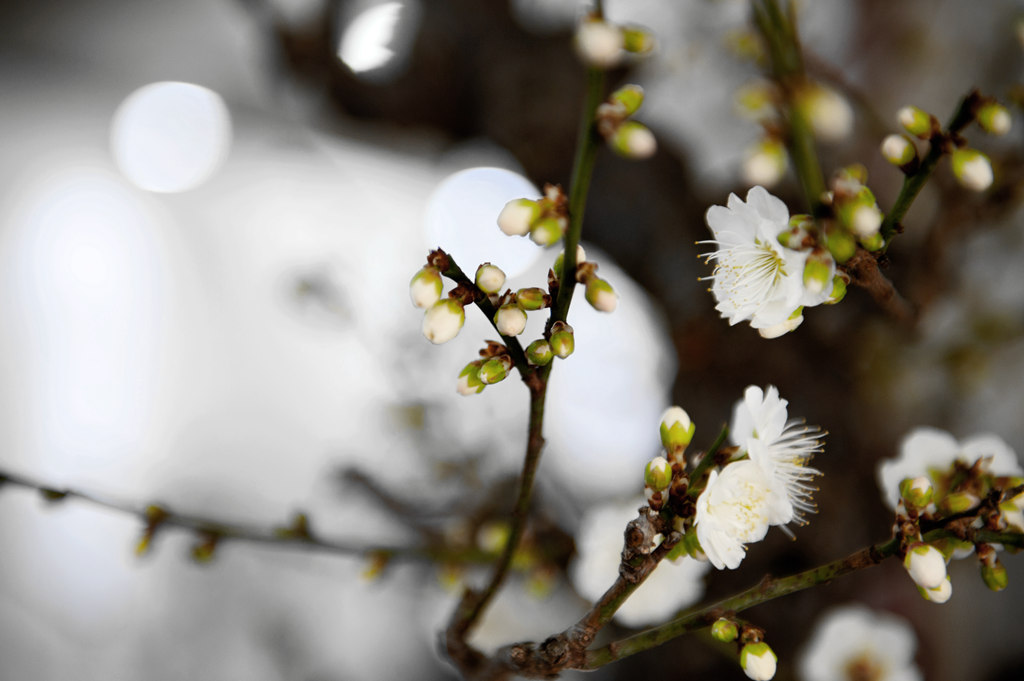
point(724, 630)
point(917, 122)
point(916, 492)
point(539, 352)
point(959, 502)
point(994, 575)
point(443, 321)
point(629, 97)
point(898, 150)
point(819, 271)
point(838, 290)
point(599, 44)
point(425, 287)
point(517, 216)
point(489, 278)
point(633, 140)
point(601, 295)
point(495, 369)
point(469, 382)
point(758, 661)
point(546, 231)
point(532, 298)
point(865, 221)
point(676, 429)
point(510, 320)
point(994, 119)
point(800, 228)
point(658, 474)
point(756, 100)
point(562, 342)
point(581, 257)
point(926, 565)
point(828, 111)
point(765, 163)
point(972, 169)
point(939, 594)
point(841, 244)
point(692, 545)
point(637, 40)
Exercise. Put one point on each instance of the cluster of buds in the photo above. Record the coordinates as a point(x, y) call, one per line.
point(544, 220)
point(443, 318)
point(493, 366)
point(804, 234)
point(757, 658)
point(856, 210)
point(604, 45)
point(627, 138)
point(665, 475)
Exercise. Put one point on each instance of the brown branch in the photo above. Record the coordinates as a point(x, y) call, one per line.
point(864, 272)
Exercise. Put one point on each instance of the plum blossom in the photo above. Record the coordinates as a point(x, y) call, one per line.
point(853, 642)
point(756, 278)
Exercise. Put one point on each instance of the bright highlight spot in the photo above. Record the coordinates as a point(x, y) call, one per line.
point(170, 137)
point(462, 214)
point(365, 44)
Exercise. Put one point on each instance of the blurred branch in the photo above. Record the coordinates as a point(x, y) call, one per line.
point(864, 272)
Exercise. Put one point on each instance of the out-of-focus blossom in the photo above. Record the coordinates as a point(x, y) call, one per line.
point(853, 642)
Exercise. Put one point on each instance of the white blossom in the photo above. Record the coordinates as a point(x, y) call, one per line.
point(931, 452)
point(781, 446)
point(756, 278)
point(672, 586)
point(853, 642)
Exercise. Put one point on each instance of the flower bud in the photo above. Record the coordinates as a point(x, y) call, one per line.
point(724, 630)
point(495, 369)
point(532, 298)
point(800, 228)
point(546, 231)
point(874, 242)
point(633, 140)
point(692, 545)
point(425, 287)
point(510, 320)
point(599, 44)
point(758, 661)
point(629, 97)
point(539, 352)
point(658, 474)
point(972, 169)
point(898, 150)
point(1012, 515)
point(637, 40)
point(581, 257)
point(915, 121)
point(469, 379)
point(517, 216)
point(562, 342)
point(994, 575)
point(926, 565)
point(994, 119)
point(828, 111)
point(916, 492)
point(756, 100)
point(765, 163)
point(443, 320)
point(819, 271)
point(841, 244)
point(939, 594)
point(601, 295)
point(958, 502)
point(865, 221)
point(784, 327)
point(489, 278)
point(838, 290)
point(676, 429)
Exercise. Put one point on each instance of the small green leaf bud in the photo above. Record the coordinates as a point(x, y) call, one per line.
point(676, 429)
point(765, 163)
point(819, 271)
point(972, 169)
point(939, 594)
point(546, 231)
point(517, 216)
point(532, 298)
point(629, 97)
point(581, 257)
point(841, 244)
point(915, 121)
point(994, 118)
point(875, 242)
point(898, 150)
point(959, 502)
point(994, 576)
point(601, 295)
point(724, 630)
point(838, 290)
point(633, 140)
point(469, 382)
point(539, 352)
point(425, 287)
point(658, 474)
point(495, 369)
point(510, 320)
point(562, 342)
point(443, 321)
point(489, 278)
point(926, 565)
point(758, 661)
point(637, 40)
point(916, 492)
point(599, 43)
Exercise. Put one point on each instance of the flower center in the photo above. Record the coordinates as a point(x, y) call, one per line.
point(864, 667)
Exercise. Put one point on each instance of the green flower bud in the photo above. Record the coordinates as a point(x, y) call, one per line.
point(658, 474)
point(581, 257)
point(489, 278)
point(539, 352)
point(495, 369)
point(818, 271)
point(994, 118)
point(601, 295)
point(546, 231)
point(758, 661)
point(841, 244)
point(469, 379)
point(637, 40)
point(972, 169)
point(532, 298)
point(875, 242)
point(425, 287)
point(898, 150)
point(916, 492)
point(959, 502)
point(828, 112)
point(724, 630)
point(800, 228)
point(915, 121)
point(633, 140)
point(629, 97)
point(562, 342)
point(517, 216)
point(765, 163)
point(692, 544)
point(676, 429)
point(838, 290)
point(994, 576)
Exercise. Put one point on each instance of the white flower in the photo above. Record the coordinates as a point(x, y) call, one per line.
point(931, 452)
point(736, 508)
point(853, 642)
point(671, 587)
point(756, 278)
point(781, 446)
